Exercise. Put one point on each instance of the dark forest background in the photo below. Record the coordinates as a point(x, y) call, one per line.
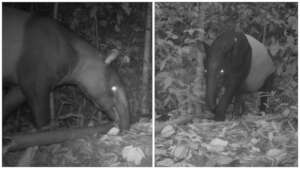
point(122, 26)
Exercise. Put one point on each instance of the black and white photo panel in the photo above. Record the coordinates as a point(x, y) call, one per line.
point(77, 84)
point(226, 84)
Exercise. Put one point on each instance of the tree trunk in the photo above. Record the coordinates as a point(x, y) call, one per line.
point(146, 62)
point(52, 106)
point(55, 11)
point(199, 81)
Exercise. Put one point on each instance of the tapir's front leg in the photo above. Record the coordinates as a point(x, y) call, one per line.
point(39, 101)
point(226, 99)
point(36, 86)
point(267, 87)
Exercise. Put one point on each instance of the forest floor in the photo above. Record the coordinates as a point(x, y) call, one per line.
point(130, 148)
point(255, 139)
point(251, 141)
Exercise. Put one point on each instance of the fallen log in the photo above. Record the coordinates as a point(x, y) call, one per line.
point(21, 141)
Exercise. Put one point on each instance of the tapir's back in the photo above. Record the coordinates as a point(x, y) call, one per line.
point(13, 24)
point(36, 44)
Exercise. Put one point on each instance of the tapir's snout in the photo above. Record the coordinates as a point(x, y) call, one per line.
point(116, 107)
point(122, 108)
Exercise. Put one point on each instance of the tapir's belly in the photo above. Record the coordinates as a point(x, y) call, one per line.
point(261, 65)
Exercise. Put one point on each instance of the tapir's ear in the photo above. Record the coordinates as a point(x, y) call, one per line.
point(111, 56)
point(204, 48)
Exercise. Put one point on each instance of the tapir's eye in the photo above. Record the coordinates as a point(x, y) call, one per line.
point(222, 71)
point(114, 88)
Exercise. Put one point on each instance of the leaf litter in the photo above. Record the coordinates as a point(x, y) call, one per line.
point(251, 141)
point(114, 149)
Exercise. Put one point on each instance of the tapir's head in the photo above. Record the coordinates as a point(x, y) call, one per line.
point(117, 108)
point(117, 104)
point(214, 71)
point(224, 65)
point(104, 86)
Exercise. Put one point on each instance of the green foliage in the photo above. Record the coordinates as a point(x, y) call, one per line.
point(180, 84)
point(119, 25)
point(178, 61)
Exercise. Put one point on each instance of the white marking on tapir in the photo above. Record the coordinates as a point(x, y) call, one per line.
point(222, 71)
point(112, 56)
point(261, 65)
point(114, 88)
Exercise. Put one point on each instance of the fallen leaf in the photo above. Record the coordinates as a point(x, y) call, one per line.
point(180, 152)
point(143, 126)
point(213, 148)
point(113, 131)
point(219, 142)
point(216, 145)
point(254, 149)
point(167, 131)
point(277, 154)
point(133, 154)
point(254, 141)
point(274, 152)
point(286, 112)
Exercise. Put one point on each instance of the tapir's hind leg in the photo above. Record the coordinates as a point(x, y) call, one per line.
point(12, 100)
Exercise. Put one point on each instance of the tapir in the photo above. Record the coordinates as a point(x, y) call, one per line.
point(40, 54)
point(238, 63)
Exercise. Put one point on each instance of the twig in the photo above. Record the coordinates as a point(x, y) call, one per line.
point(291, 126)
